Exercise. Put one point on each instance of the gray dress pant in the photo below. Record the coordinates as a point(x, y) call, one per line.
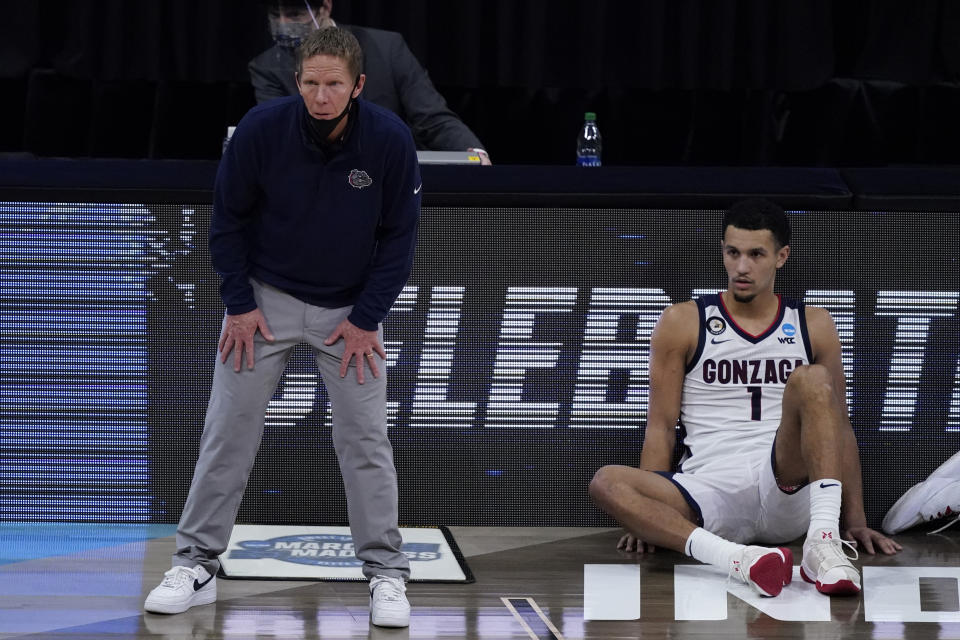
point(234, 426)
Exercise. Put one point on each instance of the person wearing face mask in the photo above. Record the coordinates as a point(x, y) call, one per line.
point(395, 79)
point(316, 206)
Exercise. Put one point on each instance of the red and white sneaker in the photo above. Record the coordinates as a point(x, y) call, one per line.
point(766, 569)
point(825, 564)
point(936, 497)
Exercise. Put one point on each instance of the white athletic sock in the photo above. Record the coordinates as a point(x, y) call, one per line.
point(711, 549)
point(825, 506)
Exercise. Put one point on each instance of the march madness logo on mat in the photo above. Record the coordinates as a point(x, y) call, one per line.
point(321, 550)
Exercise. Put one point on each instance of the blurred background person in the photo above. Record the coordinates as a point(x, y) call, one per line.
point(395, 79)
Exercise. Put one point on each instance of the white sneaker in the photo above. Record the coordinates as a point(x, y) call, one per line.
point(765, 569)
point(936, 497)
point(182, 588)
point(825, 564)
point(388, 602)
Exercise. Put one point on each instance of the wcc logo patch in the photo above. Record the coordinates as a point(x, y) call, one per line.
point(321, 550)
point(359, 179)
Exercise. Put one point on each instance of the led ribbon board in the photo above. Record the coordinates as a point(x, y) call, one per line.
point(517, 362)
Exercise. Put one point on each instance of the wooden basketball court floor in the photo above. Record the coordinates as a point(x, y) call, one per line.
point(89, 581)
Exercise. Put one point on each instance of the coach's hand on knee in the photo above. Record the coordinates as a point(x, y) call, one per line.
point(237, 336)
point(359, 345)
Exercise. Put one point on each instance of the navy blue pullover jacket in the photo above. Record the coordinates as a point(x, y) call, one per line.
point(330, 231)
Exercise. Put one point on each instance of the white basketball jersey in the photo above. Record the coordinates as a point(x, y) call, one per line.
point(733, 388)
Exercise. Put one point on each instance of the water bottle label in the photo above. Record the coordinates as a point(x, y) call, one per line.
point(588, 161)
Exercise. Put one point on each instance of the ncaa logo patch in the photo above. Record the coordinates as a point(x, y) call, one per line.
point(716, 325)
point(321, 550)
point(788, 329)
point(359, 179)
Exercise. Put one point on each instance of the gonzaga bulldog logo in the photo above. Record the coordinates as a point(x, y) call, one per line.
point(321, 550)
point(359, 179)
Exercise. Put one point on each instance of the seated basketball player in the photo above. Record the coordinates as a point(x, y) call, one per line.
point(757, 383)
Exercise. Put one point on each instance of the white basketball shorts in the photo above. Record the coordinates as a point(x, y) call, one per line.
point(744, 504)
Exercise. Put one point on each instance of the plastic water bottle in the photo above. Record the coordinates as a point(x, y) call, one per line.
point(589, 144)
point(226, 139)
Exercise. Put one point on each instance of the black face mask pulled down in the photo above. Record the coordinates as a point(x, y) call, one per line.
point(320, 130)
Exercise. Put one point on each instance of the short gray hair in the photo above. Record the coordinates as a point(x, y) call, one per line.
point(332, 41)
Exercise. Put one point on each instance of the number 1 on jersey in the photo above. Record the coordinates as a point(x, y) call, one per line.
point(754, 402)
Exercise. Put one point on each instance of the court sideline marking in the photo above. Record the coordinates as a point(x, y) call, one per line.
point(511, 603)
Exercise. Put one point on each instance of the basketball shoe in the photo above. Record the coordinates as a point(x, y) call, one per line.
point(936, 497)
point(826, 565)
point(765, 569)
point(182, 588)
point(388, 602)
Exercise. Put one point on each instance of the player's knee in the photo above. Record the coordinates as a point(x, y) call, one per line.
point(813, 381)
point(604, 483)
